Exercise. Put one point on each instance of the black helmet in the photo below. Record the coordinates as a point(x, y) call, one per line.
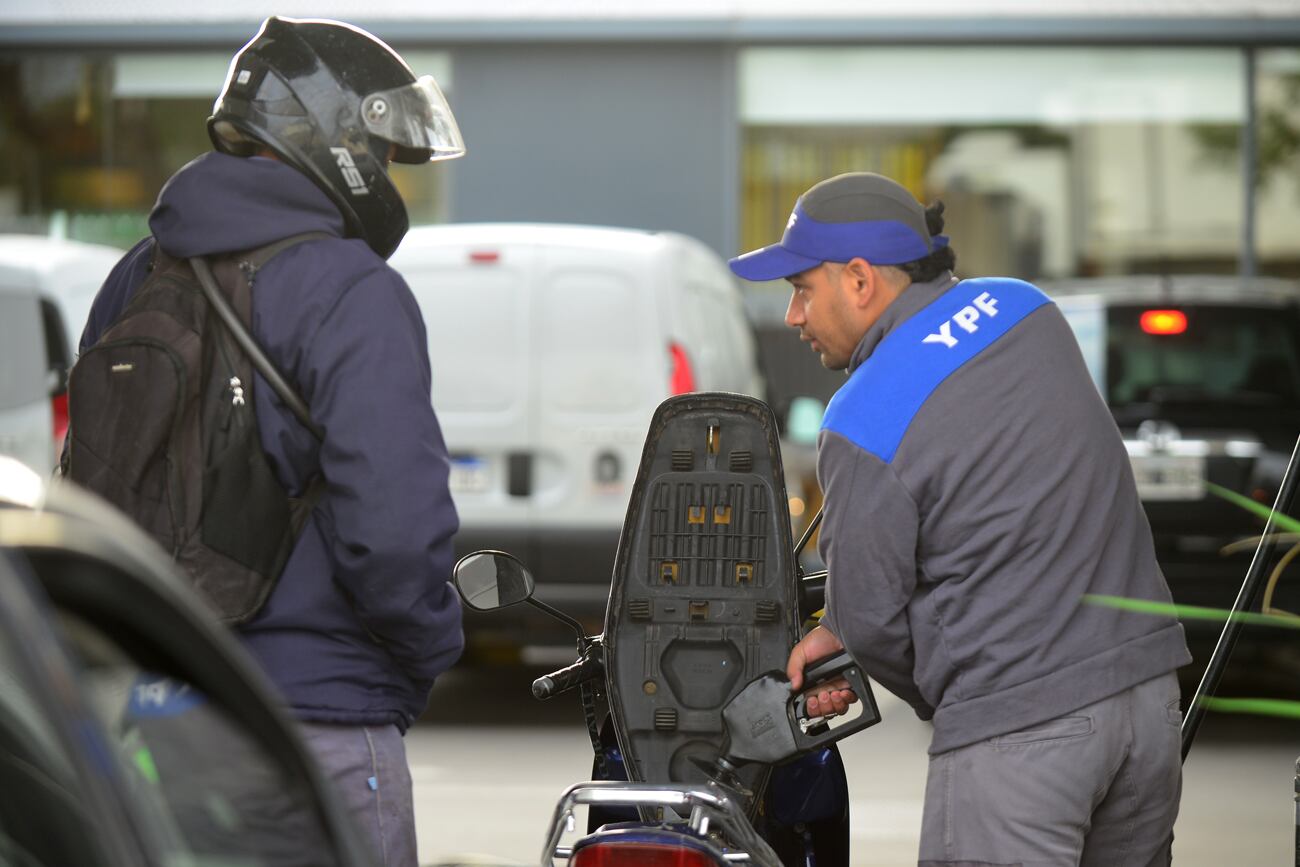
point(333, 101)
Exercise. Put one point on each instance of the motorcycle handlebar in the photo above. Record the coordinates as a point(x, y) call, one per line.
point(585, 669)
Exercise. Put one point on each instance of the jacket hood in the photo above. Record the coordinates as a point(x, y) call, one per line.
point(220, 203)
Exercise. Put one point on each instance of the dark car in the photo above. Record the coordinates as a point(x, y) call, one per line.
point(133, 728)
point(1203, 377)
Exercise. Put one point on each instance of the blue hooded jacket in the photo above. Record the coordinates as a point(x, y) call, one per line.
point(363, 618)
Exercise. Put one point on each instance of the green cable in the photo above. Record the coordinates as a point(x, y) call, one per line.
point(1191, 612)
point(1254, 706)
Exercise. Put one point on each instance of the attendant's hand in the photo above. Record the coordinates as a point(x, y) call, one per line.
point(827, 699)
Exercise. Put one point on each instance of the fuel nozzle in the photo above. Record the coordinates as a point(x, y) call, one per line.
point(768, 723)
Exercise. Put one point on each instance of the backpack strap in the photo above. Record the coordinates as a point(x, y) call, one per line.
point(250, 264)
point(252, 261)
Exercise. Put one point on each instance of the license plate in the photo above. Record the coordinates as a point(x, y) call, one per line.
point(468, 476)
point(1169, 477)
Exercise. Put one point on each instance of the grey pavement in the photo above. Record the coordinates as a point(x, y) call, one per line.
point(485, 787)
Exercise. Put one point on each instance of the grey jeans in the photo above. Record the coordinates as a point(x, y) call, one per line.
point(1098, 787)
point(367, 765)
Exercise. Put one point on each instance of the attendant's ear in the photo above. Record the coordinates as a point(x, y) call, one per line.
point(861, 280)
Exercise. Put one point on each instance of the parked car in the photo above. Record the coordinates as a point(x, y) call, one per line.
point(46, 288)
point(551, 346)
point(133, 728)
point(1203, 377)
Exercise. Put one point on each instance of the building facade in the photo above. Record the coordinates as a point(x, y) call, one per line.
point(1096, 138)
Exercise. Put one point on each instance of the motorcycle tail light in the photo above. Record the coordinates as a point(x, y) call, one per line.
point(628, 854)
point(682, 380)
point(1163, 321)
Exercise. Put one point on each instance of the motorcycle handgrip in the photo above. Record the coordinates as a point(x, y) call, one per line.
point(585, 669)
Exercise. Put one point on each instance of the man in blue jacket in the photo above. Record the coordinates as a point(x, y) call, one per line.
point(977, 493)
point(362, 619)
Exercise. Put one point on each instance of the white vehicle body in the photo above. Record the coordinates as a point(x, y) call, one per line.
point(551, 347)
point(46, 288)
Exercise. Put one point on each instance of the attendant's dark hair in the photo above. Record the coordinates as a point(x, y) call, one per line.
point(939, 260)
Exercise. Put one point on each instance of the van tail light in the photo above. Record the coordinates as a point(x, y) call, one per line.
point(1164, 321)
point(682, 380)
point(59, 404)
point(621, 854)
point(484, 257)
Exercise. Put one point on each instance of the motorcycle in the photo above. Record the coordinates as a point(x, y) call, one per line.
point(706, 758)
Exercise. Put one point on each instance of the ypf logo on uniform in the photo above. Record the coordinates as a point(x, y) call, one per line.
point(351, 174)
point(964, 319)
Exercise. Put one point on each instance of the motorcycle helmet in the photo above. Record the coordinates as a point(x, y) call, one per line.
point(334, 102)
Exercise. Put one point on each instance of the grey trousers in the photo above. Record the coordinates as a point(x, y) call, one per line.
point(1098, 787)
point(367, 765)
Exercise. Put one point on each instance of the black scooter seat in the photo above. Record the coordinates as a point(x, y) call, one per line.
point(703, 597)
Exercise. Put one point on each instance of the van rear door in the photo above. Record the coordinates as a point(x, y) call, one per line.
point(602, 366)
point(26, 422)
point(476, 305)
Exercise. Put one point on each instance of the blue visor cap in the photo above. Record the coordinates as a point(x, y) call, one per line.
point(807, 243)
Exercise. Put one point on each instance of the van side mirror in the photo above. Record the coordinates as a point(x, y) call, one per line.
point(488, 580)
point(803, 421)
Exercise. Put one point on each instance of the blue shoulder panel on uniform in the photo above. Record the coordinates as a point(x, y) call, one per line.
point(874, 408)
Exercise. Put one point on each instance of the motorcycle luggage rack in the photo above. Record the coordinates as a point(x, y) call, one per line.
point(710, 809)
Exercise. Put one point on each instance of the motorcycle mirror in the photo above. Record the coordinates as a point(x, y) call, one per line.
point(488, 580)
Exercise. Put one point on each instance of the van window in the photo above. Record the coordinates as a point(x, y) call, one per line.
point(594, 355)
point(478, 341)
point(22, 352)
point(1239, 358)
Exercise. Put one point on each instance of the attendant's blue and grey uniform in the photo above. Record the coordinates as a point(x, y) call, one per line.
point(363, 619)
point(978, 498)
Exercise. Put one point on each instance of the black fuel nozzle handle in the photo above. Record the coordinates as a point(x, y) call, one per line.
point(809, 735)
point(828, 668)
point(767, 723)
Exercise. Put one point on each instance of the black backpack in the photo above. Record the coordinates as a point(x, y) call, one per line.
point(163, 426)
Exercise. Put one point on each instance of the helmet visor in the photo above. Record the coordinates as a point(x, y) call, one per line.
point(414, 116)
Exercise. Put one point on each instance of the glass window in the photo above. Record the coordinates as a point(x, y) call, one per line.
point(42, 820)
point(1239, 358)
point(1051, 161)
point(204, 789)
point(1277, 226)
point(88, 139)
point(461, 305)
point(600, 370)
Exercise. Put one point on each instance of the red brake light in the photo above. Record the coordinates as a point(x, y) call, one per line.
point(59, 404)
point(1164, 322)
point(683, 378)
point(620, 854)
point(484, 257)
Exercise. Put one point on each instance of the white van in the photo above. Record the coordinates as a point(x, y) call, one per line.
point(551, 347)
point(46, 288)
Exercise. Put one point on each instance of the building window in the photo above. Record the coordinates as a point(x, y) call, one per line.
point(1277, 137)
point(87, 140)
point(1052, 162)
